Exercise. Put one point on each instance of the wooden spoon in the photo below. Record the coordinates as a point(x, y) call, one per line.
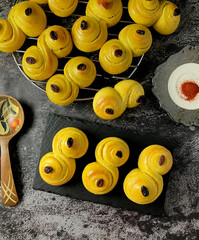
point(11, 122)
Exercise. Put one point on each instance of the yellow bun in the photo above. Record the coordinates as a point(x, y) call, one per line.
point(107, 104)
point(59, 40)
point(108, 10)
point(131, 92)
point(60, 90)
point(94, 175)
point(80, 70)
point(114, 57)
point(62, 8)
point(30, 17)
point(112, 151)
point(144, 12)
point(58, 167)
point(100, 177)
point(55, 170)
point(110, 103)
point(63, 89)
point(25, 18)
point(89, 34)
point(70, 142)
point(169, 19)
point(40, 62)
point(144, 184)
point(137, 37)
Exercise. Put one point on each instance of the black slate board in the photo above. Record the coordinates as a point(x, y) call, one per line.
point(95, 133)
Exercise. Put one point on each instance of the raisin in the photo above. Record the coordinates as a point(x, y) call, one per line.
point(84, 25)
point(48, 169)
point(176, 12)
point(100, 182)
point(109, 111)
point(162, 160)
point(54, 88)
point(69, 142)
point(145, 191)
point(140, 99)
point(30, 60)
point(53, 35)
point(118, 53)
point(28, 11)
point(141, 32)
point(119, 154)
point(81, 67)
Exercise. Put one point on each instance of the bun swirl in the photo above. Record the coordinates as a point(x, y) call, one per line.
point(24, 19)
point(58, 167)
point(61, 8)
point(55, 170)
point(63, 89)
point(100, 177)
point(145, 12)
point(163, 15)
point(137, 37)
point(81, 70)
point(89, 34)
point(144, 184)
point(110, 103)
point(60, 90)
point(108, 10)
point(114, 57)
point(70, 142)
point(169, 19)
point(40, 62)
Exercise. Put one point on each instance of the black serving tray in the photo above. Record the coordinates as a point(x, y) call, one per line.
point(95, 133)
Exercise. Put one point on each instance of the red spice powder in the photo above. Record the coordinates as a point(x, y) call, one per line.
point(190, 90)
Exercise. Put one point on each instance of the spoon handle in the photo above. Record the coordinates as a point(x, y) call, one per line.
point(8, 191)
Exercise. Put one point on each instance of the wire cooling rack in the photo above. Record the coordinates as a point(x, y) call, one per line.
point(102, 79)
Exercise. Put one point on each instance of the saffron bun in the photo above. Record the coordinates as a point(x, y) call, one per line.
point(81, 70)
point(131, 92)
point(169, 19)
point(114, 57)
point(107, 104)
point(89, 34)
point(61, 90)
point(40, 62)
point(108, 10)
point(55, 170)
point(110, 103)
point(70, 142)
point(143, 185)
point(58, 167)
point(61, 8)
point(24, 19)
point(101, 177)
point(137, 37)
point(144, 12)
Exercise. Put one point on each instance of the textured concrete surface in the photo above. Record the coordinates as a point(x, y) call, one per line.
point(41, 215)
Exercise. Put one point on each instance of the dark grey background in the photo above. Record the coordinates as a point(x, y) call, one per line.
point(41, 215)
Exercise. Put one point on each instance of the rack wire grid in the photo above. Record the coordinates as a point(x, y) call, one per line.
point(103, 79)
